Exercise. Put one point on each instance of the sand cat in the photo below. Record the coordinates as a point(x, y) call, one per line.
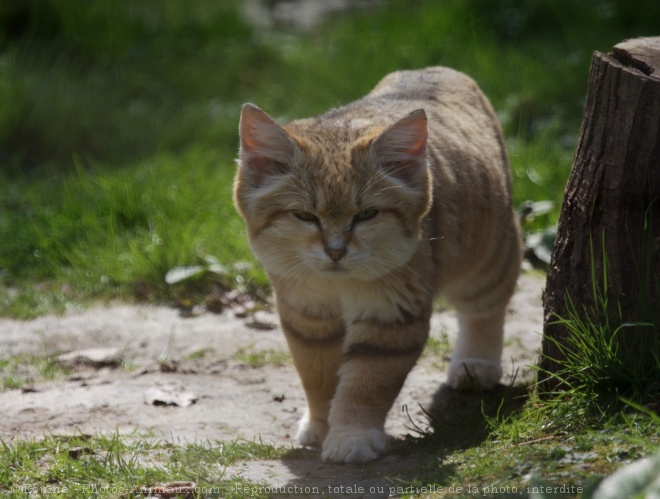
point(360, 217)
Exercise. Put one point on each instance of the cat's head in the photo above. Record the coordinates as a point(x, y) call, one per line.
point(334, 197)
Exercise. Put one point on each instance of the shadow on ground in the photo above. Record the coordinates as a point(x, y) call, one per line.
point(415, 464)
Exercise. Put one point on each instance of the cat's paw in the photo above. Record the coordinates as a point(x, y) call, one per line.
point(311, 432)
point(472, 374)
point(354, 445)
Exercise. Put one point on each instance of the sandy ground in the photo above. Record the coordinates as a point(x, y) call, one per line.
point(195, 359)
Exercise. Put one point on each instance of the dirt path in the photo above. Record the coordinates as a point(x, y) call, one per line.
point(196, 358)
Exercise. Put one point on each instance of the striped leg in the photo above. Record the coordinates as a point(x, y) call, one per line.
point(316, 348)
point(481, 309)
point(378, 357)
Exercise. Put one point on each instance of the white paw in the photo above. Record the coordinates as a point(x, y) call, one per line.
point(354, 445)
point(311, 432)
point(472, 374)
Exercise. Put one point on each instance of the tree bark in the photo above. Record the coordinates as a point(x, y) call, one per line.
point(611, 209)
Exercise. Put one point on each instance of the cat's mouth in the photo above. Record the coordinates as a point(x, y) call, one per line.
point(335, 268)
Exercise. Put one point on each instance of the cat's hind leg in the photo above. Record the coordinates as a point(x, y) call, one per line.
point(481, 305)
point(481, 300)
point(476, 360)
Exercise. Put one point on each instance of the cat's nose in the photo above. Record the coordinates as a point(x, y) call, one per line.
point(335, 253)
point(335, 247)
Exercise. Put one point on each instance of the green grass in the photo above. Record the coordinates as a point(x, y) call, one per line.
point(511, 444)
point(21, 370)
point(118, 232)
point(610, 355)
point(259, 358)
point(101, 466)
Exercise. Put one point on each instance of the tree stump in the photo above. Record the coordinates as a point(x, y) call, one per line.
point(611, 210)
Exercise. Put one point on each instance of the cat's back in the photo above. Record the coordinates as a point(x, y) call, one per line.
point(432, 84)
point(463, 127)
point(437, 90)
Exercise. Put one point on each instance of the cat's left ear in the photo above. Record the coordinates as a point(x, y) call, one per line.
point(266, 149)
point(401, 148)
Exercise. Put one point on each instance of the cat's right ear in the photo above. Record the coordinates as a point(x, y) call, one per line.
point(266, 149)
point(401, 149)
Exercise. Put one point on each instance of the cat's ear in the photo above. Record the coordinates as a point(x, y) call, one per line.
point(266, 149)
point(401, 148)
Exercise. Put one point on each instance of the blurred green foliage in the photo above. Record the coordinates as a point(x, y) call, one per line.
point(118, 120)
point(114, 81)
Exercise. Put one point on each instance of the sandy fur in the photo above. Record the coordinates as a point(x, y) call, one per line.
point(424, 152)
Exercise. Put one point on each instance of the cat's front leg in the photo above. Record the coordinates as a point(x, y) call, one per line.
point(315, 342)
point(378, 355)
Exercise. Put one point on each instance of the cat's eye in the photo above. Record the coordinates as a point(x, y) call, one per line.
point(305, 216)
point(366, 215)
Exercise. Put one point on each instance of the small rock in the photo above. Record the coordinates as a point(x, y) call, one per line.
point(76, 452)
point(169, 395)
point(94, 357)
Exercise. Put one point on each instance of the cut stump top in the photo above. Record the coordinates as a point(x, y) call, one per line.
point(642, 54)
